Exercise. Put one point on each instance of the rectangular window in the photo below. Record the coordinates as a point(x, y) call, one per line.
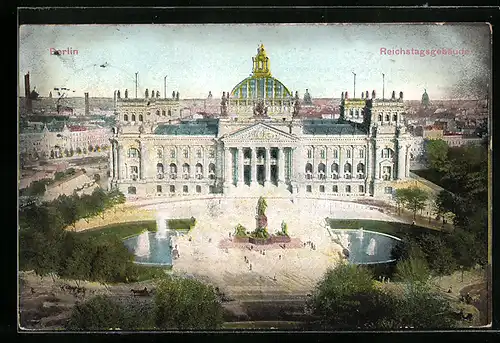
point(388, 190)
point(186, 153)
point(335, 154)
point(185, 189)
point(348, 153)
point(172, 189)
point(335, 189)
point(158, 189)
point(309, 153)
point(172, 153)
point(348, 189)
point(212, 153)
point(309, 188)
point(198, 153)
point(198, 189)
point(323, 154)
point(134, 170)
point(322, 189)
point(361, 153)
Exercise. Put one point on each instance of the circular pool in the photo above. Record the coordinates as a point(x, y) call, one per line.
point(150, 249)
point(365, 247)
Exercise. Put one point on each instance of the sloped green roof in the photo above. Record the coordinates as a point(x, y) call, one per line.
point(330, 127)
point(199, 127)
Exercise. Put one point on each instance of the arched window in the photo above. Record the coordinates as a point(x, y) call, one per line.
point(141, 118)
point(309, 168)
point(157, 112)
point(133, 153)
point(321, 168)
point(335, 168)
point(199, 171)
point(394, 117)
point(163, 113)
point(379, 117)
point(133, 117)
point(131, 190)
point(211, 171)
point(173, 171)
point(322, 171)
point(347, 168)
point(169, 112)
point(360, 168)
point(348, 189)
point(185, 171)
point(125, 117)
point(198, 189)
point(159, 170)
point(386, 117)
point(361, 189)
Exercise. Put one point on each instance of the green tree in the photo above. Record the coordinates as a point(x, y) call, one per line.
point(68, 209)
point(78, 253)
point(110, 259)
point(438, 254)
point(413, 269)
point(413, 198)
point(98, 313)
point(343, 294)
point(186, 304)
point(437, 154)
point(418, 306)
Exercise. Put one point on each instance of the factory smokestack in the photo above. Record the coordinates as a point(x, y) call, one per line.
point(27, 92)
point(87, 104)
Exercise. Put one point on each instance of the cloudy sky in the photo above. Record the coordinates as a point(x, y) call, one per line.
point(200, 58)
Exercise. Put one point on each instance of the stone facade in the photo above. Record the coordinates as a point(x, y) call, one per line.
point(259, 141)
point(302, 156)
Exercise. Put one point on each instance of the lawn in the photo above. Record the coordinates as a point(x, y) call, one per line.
point(391, 228)
point(151, 272)
point(122, 230)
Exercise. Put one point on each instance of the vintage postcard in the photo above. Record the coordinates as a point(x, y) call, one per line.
point(264, 176)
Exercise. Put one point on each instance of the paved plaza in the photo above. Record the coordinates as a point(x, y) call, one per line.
point(205, 252)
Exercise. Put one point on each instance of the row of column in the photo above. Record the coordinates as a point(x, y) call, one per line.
point(239, 163)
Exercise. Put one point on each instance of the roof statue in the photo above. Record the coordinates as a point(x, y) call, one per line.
point(307, 98)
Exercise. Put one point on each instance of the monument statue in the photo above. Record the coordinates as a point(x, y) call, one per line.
point(146, 93)
point(126, 93)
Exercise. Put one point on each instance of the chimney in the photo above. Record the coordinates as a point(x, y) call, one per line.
point(27, 92)
point(87, 104)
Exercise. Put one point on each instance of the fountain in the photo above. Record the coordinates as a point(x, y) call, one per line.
point(370, 249)
point(162, 228)
point(142, 248)
point(374, 248)
point(360, 233)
